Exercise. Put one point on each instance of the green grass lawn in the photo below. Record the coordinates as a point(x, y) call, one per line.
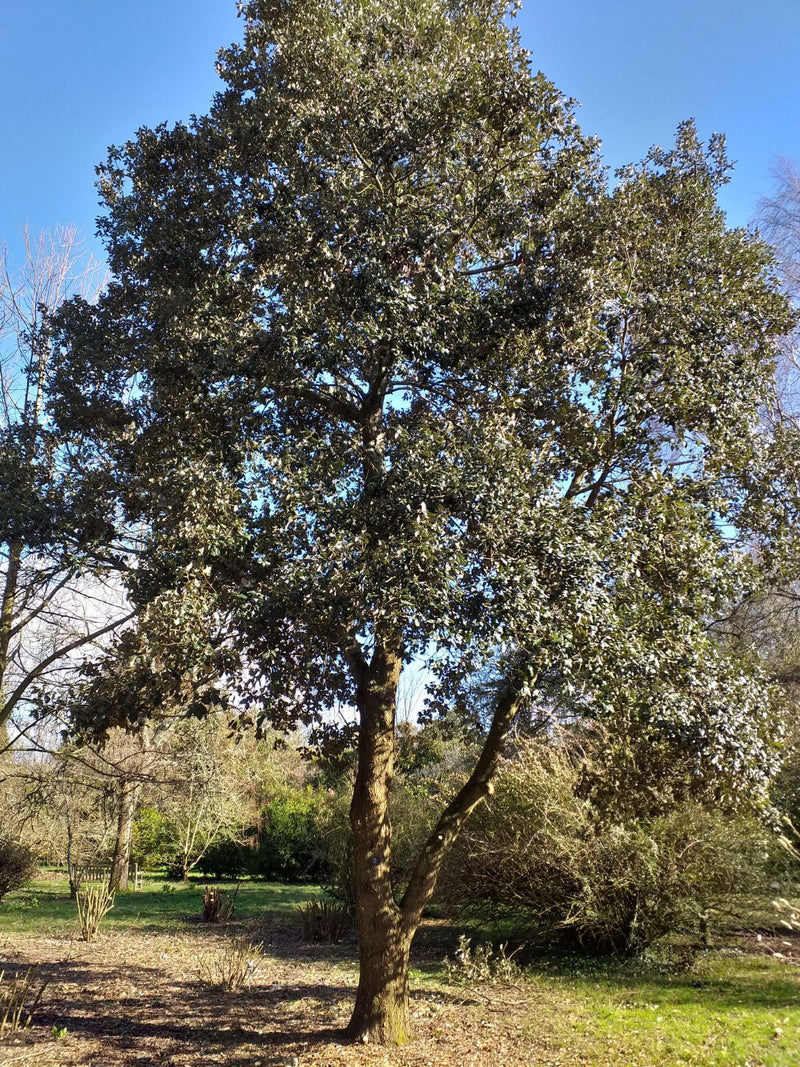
point(728, 1008)
point(45, 906)
point(728, 1005)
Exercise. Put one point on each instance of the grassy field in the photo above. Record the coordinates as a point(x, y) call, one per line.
point(727, 1008)
point(159, 906)
point(136, 995)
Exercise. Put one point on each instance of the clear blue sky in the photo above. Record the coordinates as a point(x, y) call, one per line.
point(77, 76)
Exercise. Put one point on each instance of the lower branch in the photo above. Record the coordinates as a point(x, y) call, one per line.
point(478, 786)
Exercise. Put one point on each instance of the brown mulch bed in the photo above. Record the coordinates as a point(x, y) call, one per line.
point(136, 999)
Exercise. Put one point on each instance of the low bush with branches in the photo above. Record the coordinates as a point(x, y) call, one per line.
point(17, 865)
point(543, 855)
point(323, 920)
point(93, 903)
point(483, 963)
point(234, 968)
point(20, 995)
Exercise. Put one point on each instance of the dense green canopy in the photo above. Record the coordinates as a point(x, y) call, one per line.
point(392, 370)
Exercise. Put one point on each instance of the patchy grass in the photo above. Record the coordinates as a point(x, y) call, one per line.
point(136, 995)
point(728, 1007)
point(45, 905)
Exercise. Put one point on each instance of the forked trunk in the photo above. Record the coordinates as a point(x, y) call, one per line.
point(386, 928)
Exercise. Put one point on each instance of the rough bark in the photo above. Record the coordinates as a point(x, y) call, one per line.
point(120, 863)
point(381, 1011)
point(6, 618)
point(381, 1008)
point(386, 928)
point(73, 870)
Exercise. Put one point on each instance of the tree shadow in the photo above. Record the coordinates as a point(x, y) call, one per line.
point(140, 1013)
point(162, 1018)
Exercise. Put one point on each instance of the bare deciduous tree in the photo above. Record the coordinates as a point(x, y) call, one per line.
point(51, 605)
point(779, 221)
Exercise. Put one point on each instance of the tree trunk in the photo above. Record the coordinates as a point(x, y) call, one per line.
point(386, 929)
point(381, 1013)
point(73, 870)
point(120, 864)
point(381, 1008)
point(7, 602)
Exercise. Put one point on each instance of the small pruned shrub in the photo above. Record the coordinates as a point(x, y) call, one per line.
point(323, 920)
point(234, 968)
point(20, 995)
point(483, 964)
point(93, 903)
point(217, 905)
point(17, 865)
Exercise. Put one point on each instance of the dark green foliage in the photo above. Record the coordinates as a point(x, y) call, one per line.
point(291, 844)
point(17, 865)
point(547, 858)
point(383, 353)
point(388, 370)
point(175, 870)
point(226, 858)
point(153, 839)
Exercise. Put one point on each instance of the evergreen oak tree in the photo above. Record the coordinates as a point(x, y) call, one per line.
point(391, 372)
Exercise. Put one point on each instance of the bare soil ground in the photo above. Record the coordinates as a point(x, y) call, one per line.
point(136, 999)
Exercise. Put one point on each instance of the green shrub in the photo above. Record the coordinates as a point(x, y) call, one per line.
point(226, 858)
point(544, 856)
point(17, 865)
point(153, 839)
point(291, 846)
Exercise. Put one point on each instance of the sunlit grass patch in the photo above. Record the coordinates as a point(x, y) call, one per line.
point(44, 906)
